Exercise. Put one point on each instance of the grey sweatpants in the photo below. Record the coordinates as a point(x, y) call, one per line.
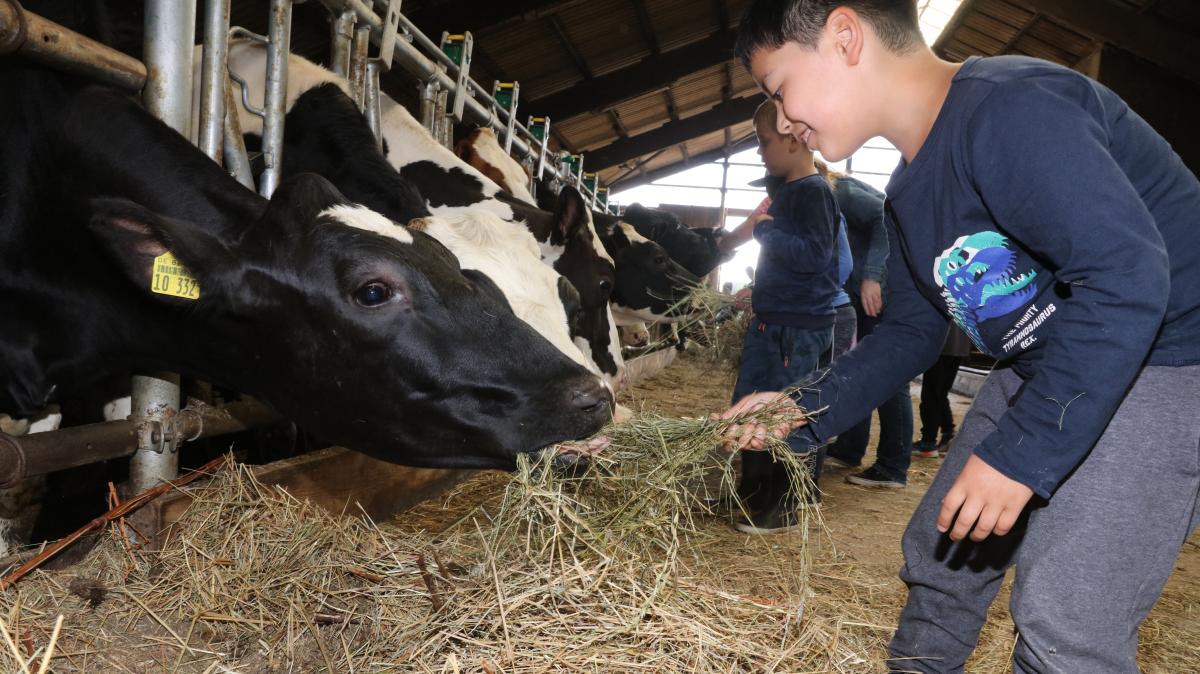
point(1090, 562)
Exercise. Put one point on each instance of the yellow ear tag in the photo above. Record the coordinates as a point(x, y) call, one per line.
point(172, 278)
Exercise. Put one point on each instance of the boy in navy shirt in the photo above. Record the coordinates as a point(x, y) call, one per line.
point(1049, 221)
point(795, 284)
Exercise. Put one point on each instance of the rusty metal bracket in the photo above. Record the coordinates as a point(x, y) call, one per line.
point(14, 39)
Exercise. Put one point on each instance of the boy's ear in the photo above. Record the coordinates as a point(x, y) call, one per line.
point(846, 27)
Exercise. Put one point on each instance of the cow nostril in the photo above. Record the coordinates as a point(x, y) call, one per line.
point(590, 399)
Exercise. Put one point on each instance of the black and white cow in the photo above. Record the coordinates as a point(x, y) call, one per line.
point(364, 332)
point(326, 134)
point(695, 249)
point(652, 286)
point(451, 187)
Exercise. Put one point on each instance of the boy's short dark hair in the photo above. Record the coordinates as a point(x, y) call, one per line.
point(770, 24)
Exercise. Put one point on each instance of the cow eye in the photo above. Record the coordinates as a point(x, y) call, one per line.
point(605, 285)
point(660, 259)
point(373, 294)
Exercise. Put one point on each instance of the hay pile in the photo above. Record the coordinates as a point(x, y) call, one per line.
point(615, 568)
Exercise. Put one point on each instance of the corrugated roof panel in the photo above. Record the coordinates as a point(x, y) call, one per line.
point(607, 33)
point(641, 114)
point(1062, 38)
point(680, 22)
point(587, 131)
point(743, 83)
point(1003, 11)
point(995, 28)
point(699, 91)
point(671, 155)
point(986, 44)
point(533, 56)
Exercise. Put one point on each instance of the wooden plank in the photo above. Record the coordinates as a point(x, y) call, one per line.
point(335, 478)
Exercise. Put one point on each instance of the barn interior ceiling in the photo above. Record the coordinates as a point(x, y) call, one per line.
point(649, 87)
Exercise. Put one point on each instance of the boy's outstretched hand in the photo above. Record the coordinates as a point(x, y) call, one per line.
point(786, 418)
point(985, 500)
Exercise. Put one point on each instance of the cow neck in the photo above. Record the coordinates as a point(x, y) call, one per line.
point(539, 223)
point(123, 152)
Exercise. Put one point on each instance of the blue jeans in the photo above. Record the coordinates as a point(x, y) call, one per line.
point(894, 453)
point(774, 358)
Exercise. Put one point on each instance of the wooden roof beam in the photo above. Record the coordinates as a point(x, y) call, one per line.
point(560, 31)
point(1142, 35)
point(647, 26)
point(653, 74)
point(673, 133)
point(629, 180)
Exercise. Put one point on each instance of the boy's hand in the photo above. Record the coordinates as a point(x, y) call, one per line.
point(871, 294)
point(786, 419)
point(753, 220)
point(986, 502)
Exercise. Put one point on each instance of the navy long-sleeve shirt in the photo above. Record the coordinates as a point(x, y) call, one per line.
point(862, 207)
point(1059, 231)
point(796, 279)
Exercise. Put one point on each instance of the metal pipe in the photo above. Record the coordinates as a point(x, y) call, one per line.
point(279, 38)
point(343, 33)
point(371, 101)
point(155, 400)
point(213, 77)
point(478, 107)
point(43, 453)
point(34, 37)
point(237, 162)
point(358, 64)
point(429, 95)
point(170, 29)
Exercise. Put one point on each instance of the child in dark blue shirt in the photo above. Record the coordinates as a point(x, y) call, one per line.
point(795, 285)
point(1045, 218)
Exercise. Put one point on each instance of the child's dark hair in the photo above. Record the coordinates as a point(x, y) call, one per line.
point(770, 24)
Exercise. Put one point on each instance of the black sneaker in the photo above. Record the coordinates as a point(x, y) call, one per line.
point(873, 477)
point(775, 520)
point(926, 449)
point(944, 445)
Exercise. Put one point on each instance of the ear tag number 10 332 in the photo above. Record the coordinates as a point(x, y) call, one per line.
point(172, 278)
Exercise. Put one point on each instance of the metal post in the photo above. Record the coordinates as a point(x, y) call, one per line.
point(279, 36)
point(429, 93)
point(213, 77)
point(170, 28)
point(237, 162)
point(343, 35)
point(371, 107)
point(358, 64)
point(445, 123)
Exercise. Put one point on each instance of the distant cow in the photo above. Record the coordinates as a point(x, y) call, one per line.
point(449, 185)
point(364, 332)
point(695, 249)
point(482, 150)
point(653, 286)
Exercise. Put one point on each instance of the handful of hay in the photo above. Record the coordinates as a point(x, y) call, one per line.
point(623, 566)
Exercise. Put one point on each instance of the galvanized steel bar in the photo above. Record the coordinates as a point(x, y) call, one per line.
point(371, 100)
point(168, 33)
point(478, 107)
point(213, 76)
point(34, 37)
point(359, 54)
point(43, 453)
point(342, 36)
point(279, 39)
point(237, 162)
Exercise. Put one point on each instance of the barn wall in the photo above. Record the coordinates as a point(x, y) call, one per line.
point(1167, 101)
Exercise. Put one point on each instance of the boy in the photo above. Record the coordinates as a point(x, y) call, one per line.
point(795, 284)
point(1057, 229)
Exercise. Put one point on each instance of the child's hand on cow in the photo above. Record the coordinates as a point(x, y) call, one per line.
point(784, 417)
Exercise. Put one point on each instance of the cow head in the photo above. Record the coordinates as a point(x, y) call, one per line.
point(650, 285)
point(694, 248)
point(364, 332)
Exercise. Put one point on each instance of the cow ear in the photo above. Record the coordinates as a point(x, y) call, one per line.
point(570, 216)
point(135, 237)
point(301, 198)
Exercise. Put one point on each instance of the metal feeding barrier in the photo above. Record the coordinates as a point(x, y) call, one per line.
point(157, 426)
point(448, 93)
